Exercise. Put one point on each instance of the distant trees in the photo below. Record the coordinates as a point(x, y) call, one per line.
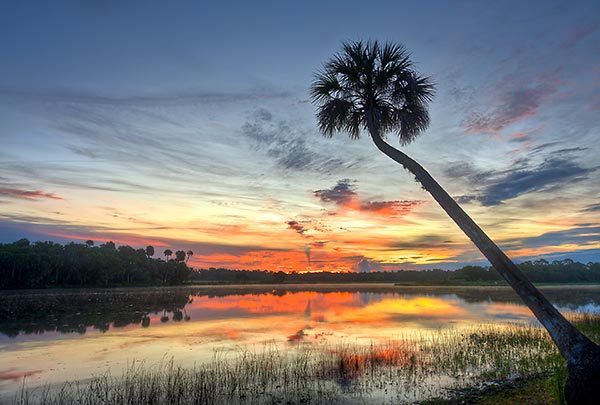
point(180, 256)
point(564, 271)
point(48, 264)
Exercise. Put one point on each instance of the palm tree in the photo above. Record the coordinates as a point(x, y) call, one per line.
point(180, 256)
point(168, 253)
point(149, 251)
point(189, 254)
point(373, 87)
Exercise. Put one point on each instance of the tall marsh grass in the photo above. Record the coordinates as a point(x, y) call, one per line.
point(396, 371)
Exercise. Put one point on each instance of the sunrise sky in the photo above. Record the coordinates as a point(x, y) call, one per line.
point(189, 126)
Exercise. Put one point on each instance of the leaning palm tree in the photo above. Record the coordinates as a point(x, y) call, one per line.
point(373, 87)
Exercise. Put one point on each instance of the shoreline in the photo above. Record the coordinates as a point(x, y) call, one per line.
point(300, 287)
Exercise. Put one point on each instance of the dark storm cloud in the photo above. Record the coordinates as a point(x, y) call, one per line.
point(287, 145)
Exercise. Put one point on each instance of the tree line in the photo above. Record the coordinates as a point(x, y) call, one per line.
point(538, 271)
point(48, 264)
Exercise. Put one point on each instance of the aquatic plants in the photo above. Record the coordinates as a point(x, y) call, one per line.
point(402, 370)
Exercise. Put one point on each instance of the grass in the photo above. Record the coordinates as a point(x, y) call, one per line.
point(441, 366)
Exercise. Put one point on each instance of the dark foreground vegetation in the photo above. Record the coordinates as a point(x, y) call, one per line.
point(487, 363)
point(49, 265)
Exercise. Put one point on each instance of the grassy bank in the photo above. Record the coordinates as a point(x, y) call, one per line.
point(452, 365)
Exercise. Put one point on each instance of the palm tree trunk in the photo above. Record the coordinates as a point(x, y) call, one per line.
point(581, 354)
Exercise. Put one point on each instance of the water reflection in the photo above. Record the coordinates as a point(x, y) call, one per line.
point(92, 310)
point(74, 334)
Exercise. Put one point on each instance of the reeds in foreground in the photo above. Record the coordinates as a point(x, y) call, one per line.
point(400, 370)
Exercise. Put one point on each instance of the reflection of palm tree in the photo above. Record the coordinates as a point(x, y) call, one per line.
point(177, 315)
point(374, 88)
point(145, 321)
point(186, 317)
point(164, 318)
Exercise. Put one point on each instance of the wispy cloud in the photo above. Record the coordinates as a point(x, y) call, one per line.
point(558, 168)
point(581, 236)
point(287, 145)
point(516, 100)
point(27, 194)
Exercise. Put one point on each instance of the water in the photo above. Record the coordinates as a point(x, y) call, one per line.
point(61, 335)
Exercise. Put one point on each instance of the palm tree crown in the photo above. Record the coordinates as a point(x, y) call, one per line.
point(372, 84)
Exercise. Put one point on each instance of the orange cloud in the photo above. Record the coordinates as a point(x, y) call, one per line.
point(345, 196)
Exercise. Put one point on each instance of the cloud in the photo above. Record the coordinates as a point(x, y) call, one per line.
point(592, 208)
point(579, 32)
point(297, 226)
point(551, 174)
point(558, 168)
point(287, 146)
point(173, 99)
point(28, 194)
point(516, 102)
point(344, 195)
point(365, 266)
point(581, 236)
point(390, 208)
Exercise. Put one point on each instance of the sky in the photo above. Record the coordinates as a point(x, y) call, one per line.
point(188, 125)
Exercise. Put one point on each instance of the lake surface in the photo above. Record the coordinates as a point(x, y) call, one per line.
point(53, 336)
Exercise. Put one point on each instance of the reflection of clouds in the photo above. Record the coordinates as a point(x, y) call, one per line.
point(230, 322)
point(15, 375)
point(398, 309)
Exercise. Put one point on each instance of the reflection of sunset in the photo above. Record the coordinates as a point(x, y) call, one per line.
point(425, 307)
point(228, 319)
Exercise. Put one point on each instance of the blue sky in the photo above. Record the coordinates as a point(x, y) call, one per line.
point(189, 124)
